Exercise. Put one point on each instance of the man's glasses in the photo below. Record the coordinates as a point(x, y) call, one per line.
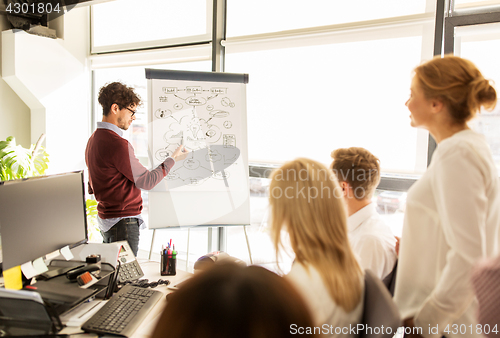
point(132, 111)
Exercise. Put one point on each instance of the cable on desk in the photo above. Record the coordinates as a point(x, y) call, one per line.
point(114, 283)
point(144, 283)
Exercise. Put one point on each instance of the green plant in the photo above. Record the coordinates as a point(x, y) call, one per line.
point(18, 162)
point(92, 227)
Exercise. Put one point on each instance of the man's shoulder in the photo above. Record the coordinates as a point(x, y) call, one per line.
point(109, 136)
point(375, 229)
point(107, 143)
point(102, 132)
point(376, 240)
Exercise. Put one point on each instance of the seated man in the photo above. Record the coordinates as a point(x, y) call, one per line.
point(358, 172)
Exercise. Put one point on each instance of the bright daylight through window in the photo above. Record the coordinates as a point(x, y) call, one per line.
point(327, 75)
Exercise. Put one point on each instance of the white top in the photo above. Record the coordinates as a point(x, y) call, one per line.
point(325, 312)
point(452, 219)
point(372, 241)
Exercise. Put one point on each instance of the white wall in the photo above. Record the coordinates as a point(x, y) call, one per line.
point(52, 78)
point(14, 114)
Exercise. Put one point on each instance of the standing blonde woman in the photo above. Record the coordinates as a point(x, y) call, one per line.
point(453, 211)
point(306, 203)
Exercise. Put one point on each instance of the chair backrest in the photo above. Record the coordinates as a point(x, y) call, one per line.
point(379, 310)
point(390, 280)
point(485, 277)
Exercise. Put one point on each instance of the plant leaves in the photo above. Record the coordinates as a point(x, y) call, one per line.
point(18, 162)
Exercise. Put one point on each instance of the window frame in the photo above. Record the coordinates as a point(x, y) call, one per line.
point(215, 40)
point(460, 19)
point(144, 45)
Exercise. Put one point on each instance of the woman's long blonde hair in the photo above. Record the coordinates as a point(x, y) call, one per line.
point(306, 201)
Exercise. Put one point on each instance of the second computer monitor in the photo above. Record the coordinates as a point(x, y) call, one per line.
point(40, 215)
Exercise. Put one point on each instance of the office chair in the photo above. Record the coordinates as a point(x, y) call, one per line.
point(379, 309)
point(485, 277)
point(390, 280)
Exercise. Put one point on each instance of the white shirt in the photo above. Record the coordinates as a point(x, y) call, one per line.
point(452, 219)
point(324, 310)
point(372, 241)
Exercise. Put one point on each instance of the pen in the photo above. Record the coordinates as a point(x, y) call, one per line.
point(162, 256)
point(166, 265)
point(170, 266)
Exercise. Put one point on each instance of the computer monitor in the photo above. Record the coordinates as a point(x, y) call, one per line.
point(40, 215)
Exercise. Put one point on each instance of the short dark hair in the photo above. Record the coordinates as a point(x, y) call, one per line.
point(359, 168)
point(230, 300)
point(117, 92)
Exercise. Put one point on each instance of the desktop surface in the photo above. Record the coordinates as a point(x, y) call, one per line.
point(61, 293)
point(151, 271)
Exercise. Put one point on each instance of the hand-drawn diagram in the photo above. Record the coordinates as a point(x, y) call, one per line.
point(210, 134)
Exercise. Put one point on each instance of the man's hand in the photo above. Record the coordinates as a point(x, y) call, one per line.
point(180, 153)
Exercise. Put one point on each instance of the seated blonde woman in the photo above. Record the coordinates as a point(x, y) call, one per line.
point(306, 203)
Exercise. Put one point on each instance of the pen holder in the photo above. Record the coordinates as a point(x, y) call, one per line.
point(168, 264)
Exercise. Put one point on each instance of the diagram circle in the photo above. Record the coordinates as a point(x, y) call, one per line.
point(213, 156)
point(220, 175)
point(213, 134)
point(219, 114)
point(210, 107)
point(163, 113)
point(228, 124)
point(171, 176)
point(178, 106)
point(225, 101)
point(191, 164)
point(195, 101)
point(161, 154)
point(196, 180)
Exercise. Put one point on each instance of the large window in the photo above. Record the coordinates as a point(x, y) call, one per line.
point(312, 91)
point(130, 24)
point(473, 4)
point(307, 97)
point(323, 75)
point(471, 42)
point(472, 34)
point(264, 16)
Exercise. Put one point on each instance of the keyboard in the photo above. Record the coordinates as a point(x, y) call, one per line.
point(123, 312)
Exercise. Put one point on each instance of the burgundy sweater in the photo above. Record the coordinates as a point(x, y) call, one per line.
point(116, 175)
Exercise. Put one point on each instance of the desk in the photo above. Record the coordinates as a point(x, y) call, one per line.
point(152, 272)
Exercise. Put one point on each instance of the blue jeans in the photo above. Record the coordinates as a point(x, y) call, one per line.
point(126, 229)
